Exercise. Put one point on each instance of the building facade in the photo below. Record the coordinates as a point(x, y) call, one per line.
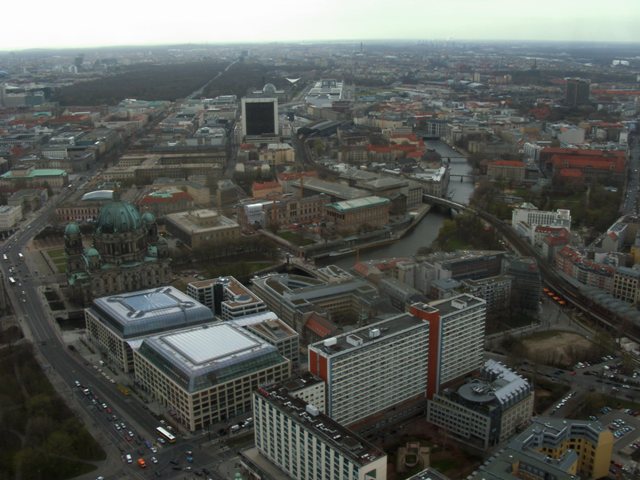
point(456, 338)
point(205, 375)
point(127, 254)
point(371, 369)
point(202, 228)
point(292, 297)
point(227, 297)
point(530, 215)
point(553, 448)
point(484, 411)
point(350, 215)
point(309, 445)
point(10, 216)
point(111, 322)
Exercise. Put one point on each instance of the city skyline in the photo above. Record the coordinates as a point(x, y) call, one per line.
point(248, 21)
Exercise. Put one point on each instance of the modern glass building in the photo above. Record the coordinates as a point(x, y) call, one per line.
point(114, 322)
point(206, 374)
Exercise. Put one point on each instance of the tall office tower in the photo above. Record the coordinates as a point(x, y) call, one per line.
point(307, 444)
point(456, 337)
point(526, 287)
point(372, 369)
point(259, 116)
point(576, 92)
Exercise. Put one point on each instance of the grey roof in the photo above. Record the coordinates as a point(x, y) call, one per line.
point(506, 386)
point(98, 195)
point(333, 189)
point(201, 357)
point(381, 331)
point(524, 449)
point(146, 312)
point(454, 304)
point(324, 428)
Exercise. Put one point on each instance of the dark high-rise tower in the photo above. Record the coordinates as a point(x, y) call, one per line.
point(259, 116)
point(576, 92)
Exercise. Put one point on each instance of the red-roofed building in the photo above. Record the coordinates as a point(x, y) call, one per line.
point(584, 270)
point(510, 170)
point(550, 240)
point(266, 189)
point(162, 202)
point(318, 328)
point(289, 176)
point(571, 175)
point(592, 163)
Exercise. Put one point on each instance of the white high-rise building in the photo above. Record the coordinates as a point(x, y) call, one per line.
point(374, 368)
point(308, 445)
point(529, 214)
point(456, 337)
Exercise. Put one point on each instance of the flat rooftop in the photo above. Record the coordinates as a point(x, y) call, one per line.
point(276, 330)
point(373, 333)
point(151, 311)
point(456, 304)
point(203, 356)
point(359, 203)
point(236, 294)
point(351, 445)
point(337, 190)
point(188, 221)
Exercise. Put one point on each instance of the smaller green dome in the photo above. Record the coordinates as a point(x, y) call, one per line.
point(92, 252)
point(72, 229)
point(148, 217)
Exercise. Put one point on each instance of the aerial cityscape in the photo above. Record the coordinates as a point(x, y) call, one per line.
point(350, 253)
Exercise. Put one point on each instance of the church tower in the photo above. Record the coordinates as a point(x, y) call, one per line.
point(73, 247)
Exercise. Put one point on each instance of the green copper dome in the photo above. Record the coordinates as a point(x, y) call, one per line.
point(92, 252)
point(118, 217)
point(148, 217)
point(72, 229)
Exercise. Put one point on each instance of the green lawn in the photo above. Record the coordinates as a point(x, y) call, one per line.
point(294, 238)
point(58, 258)
point(445, 464)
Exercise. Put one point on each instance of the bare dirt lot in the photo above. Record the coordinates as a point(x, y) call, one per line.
point(555, 347)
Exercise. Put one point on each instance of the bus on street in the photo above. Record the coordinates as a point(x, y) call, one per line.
point(168, 436)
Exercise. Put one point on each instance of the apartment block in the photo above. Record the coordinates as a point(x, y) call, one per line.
point(486, 410)
point(371, 369)
point(456, 337)
point(307, 445)
point(227, 297)
point(552, 448)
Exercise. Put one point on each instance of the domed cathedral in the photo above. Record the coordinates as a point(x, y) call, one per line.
point(127, 254)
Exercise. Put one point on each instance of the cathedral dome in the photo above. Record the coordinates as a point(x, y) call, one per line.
point(72, 228)
point(92, 252)
point(269, 88)
point(118, 217)
point(148, 217)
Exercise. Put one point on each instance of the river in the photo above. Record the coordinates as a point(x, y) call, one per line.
point(427, 230)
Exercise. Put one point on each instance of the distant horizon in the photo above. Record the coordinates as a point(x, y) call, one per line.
point(345, 41)
point(66, 24)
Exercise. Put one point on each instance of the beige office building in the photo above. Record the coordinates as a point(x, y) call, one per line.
point(206, 374)
point(201, 228)
point(114, 321)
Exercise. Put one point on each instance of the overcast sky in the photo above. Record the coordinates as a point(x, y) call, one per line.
point(84, 23)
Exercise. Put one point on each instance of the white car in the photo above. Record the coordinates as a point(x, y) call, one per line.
point(154, 459)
